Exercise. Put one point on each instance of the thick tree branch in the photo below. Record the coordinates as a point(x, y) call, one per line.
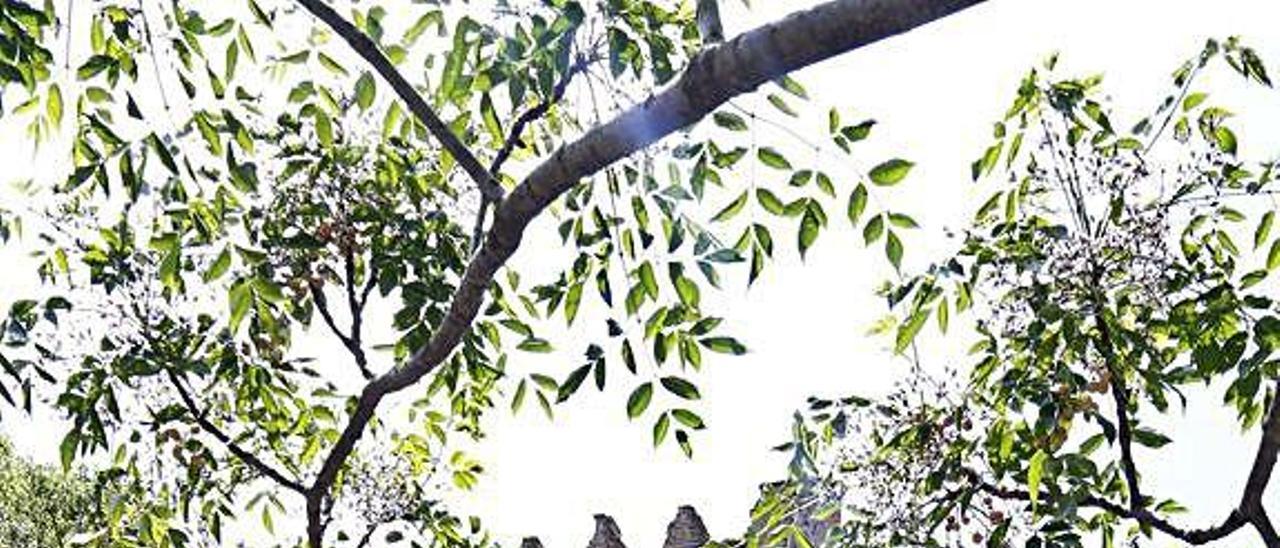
point(1264, 462)
point(369, 50)
point(712, 78)
point(239, 452)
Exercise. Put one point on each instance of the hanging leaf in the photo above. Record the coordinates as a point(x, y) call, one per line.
point(534, 344)
point(732, 209)
point(1263, 231)
point(639, 400)
point(772, 158)
point(572, 382)
point(873, 230)
point(893, 250)
point(1035, 469)
point(809, 228)
point(729, 121)
point(53, 105)
point(366, 90)
point(660, 428)
point(891, 172)
point(723, 345)
point(688, 418)
point(681, 387)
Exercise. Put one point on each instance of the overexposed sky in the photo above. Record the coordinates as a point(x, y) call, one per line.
point(935, 92)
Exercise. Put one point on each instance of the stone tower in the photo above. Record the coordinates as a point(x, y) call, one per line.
point(687, 530)
point(607, 534)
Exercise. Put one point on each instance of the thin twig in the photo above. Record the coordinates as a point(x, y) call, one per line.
point(245, 456)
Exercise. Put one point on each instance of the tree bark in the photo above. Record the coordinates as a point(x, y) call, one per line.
point(712, 78)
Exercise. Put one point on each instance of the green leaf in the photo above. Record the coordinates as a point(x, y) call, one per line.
point(572, 299)
point(873, 230)
point(1273, 257)
point(682, 438)
point(648, 279)
point(688, 418)
point(240, 298)
point(639, 400)
point(162, 151)
point(490, 116)
point(660, 428)
point(219, 266)
point(810, 226)
point(944, 315)
point(893, 250)
point(732, 209)
point(1193, 100)
point(799, 537)
point(688, 291)
point(534, 344)
point(770, 202)
point(571, 384)
point(772, 158)
point(891, 172)
point(724, 345)
point(859, 132)
point(366, 90)
point(518, 400)
point(857, 203)
point(901, 220)
point(67, 449)
point(1150, 438)
point(908, 330)
point(1264, 229)
point(729, 121)
point(781, 104)
point(1225, 138)
point(53, 105)
point(268, 291)
point(680, 387)
point(1035, 469)
point(324, 128)
point(232, 57)
point(792, 86)
point(825, 184)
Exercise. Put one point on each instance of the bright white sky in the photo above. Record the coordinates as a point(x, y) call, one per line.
point(936, 92)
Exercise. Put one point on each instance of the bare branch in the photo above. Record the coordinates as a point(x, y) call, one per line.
point(240, 453)
point(369, 50)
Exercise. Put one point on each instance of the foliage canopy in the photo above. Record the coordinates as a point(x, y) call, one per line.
point(245, 178)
